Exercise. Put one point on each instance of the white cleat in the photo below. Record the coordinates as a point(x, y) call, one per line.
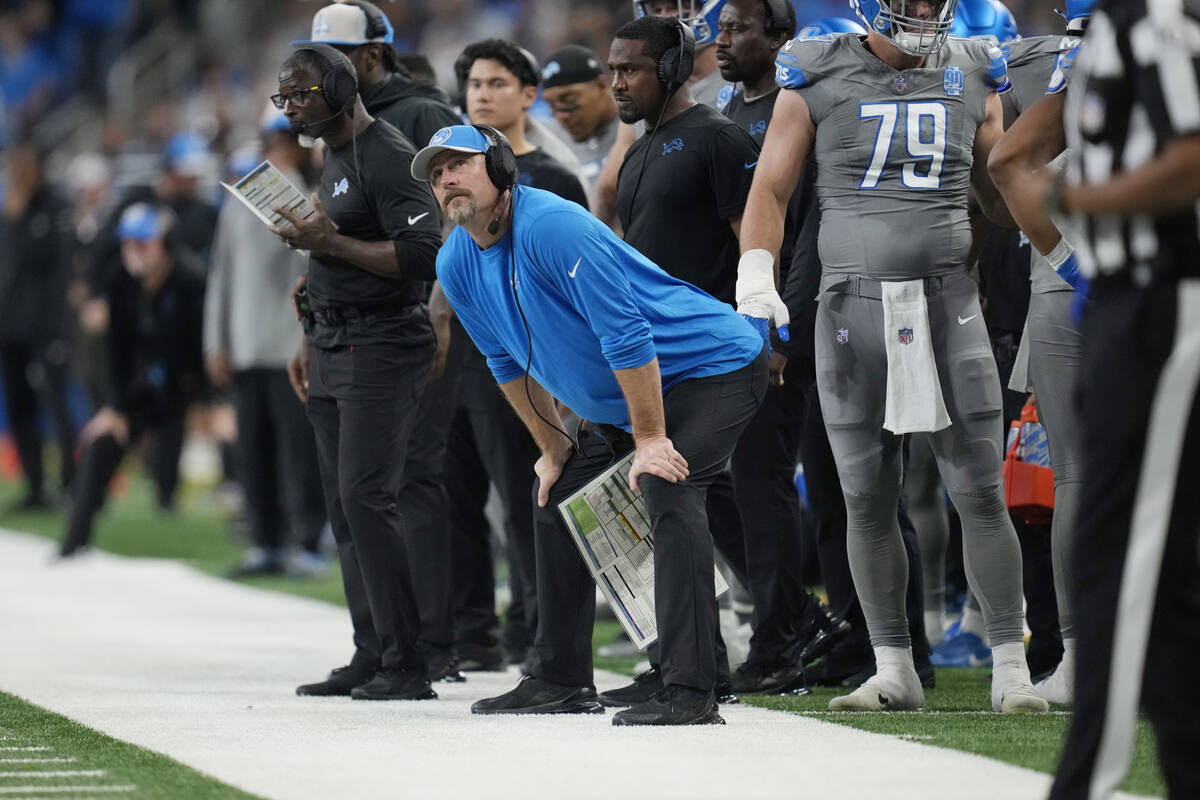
point(1019, 698)
point(901, 693)
point(1057, 688)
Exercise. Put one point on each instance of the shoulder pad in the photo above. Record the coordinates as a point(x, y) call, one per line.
point(794, 62)
point(1063, 63)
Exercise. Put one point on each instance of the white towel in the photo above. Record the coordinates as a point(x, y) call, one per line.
point(914, 393)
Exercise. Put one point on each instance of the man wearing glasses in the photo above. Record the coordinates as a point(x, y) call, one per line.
point(373, 238)
point(363, 32)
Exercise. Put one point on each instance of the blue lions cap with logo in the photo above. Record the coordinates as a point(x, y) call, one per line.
point(456, 138)
point(142, 222)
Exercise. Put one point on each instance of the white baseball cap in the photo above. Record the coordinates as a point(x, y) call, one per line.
point(349, 23)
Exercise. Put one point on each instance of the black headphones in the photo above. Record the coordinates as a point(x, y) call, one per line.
point(339, 82)
point(499, 158)
point(777, 13)
point(377, 24)
point(675, 65)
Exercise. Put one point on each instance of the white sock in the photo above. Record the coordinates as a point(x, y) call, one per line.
point(972, 622)
point(893, 661)
point(1008, 663)
point(935, 626)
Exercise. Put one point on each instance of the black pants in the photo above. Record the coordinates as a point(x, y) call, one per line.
point(278, 461)
point(362, 401)
point(1136, 585)
point(424, 503)
point(99, 462)
point(488, 442)
point(18, 361)
point(763, 468)
point(828, 508)
point(704, 419)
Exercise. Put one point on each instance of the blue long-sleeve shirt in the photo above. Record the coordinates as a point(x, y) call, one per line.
point(593, 303)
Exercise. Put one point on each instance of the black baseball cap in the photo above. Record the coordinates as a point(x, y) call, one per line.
point(572, 64)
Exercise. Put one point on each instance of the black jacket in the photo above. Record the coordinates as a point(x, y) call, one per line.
point(35, 266)
point(155, 354)
point(415, 109)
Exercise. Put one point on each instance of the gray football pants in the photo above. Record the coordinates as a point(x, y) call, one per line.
point(1055, 355)
point(852, 382)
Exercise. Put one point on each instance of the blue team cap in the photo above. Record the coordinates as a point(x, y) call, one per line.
point(456, 138)
point(142, 222)
point(187, 153)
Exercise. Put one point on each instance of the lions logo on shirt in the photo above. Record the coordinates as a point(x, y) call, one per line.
point(674, 144)
point(723, 97)
point(953, 81)
point(341, 187)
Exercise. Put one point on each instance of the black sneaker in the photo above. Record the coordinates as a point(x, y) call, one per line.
point(764, 677)
point(443, 666)
point(674, 705)
point(339, 683)
point(645, 685)
point(725, 694)
point(845, 664)
point(534, 696)
point(396, 684)
point(479, 658)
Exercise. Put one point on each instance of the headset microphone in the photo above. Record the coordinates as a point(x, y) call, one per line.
point(303, 127)
point(494, 226)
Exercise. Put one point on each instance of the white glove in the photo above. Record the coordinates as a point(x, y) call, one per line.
point(757, 300)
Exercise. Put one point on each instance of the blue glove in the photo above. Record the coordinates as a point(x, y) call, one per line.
point(1069, 272)
point(763, 327)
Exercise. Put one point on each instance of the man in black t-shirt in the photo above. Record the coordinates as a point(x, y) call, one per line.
point(488, 442)
point(373, 239)
point(680, 194)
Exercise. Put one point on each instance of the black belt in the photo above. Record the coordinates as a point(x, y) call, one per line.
point(335, 316)
point(873, 289)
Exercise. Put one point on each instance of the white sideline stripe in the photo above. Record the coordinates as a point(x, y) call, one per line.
point(1173, 399)
point(56, 773)
point(51, 760)
point(203, 670)
point(25, 748)
point(66, 789)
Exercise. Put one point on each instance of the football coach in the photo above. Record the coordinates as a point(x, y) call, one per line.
point(564, 309)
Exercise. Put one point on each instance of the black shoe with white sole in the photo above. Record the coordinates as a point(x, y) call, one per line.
point(674, 705)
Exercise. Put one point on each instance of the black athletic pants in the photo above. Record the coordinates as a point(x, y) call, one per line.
point(704, 419)
point(278, 460)
point(489, 441)
point(99, 462)
point(764, 473)
point(424, 503)
point(362, 401)
point(1136, 587)
point(17, 360)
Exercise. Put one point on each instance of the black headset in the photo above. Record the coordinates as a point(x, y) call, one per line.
point(675, 65)
point(499, 158)
point(377, 23)
point(777, 13)
point(339, 82)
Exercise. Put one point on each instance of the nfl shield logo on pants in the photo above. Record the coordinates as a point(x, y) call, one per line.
point(906, 336)
point(843, 335)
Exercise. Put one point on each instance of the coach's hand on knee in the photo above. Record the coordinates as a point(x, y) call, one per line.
point(548, 470)
point(297, 371)
point(657, 456)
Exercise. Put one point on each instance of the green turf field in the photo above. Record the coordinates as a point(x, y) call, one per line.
point(42, 752)
point(957, 713)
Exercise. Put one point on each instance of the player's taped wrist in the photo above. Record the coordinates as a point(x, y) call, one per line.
point(755, 292)
point(1062, 260)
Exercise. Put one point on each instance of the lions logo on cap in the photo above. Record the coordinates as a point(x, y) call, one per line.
point(552, 69)
point(320, 24)
point(440, 137)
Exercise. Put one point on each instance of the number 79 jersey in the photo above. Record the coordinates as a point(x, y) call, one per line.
point(893, 150)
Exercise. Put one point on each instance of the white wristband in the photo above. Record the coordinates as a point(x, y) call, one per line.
point(1061, 252)
point(758, 260)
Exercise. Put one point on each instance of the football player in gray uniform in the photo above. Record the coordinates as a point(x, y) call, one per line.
point(1038, 68)
point(901, 123)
